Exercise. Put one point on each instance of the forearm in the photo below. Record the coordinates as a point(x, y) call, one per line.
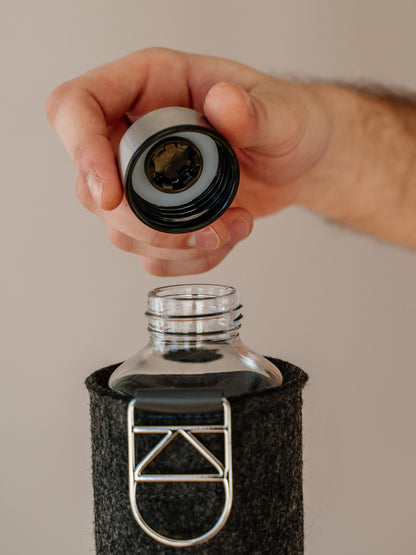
point(367, 177)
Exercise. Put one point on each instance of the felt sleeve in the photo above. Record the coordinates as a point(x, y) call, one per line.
point(267, 512)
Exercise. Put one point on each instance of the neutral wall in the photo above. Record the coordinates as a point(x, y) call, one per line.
point(341, 305)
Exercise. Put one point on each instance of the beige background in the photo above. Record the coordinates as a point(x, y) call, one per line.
point(341, 305)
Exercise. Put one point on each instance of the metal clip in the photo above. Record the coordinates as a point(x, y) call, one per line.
point(224, 471)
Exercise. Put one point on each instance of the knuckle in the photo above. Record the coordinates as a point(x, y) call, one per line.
point(120, 240)
point(83, 163)
point(86, 154)
point(155, 266)
point(154, 238)
point(207, 264)
point(161, 56)
point(156, 51)
point(56, 99)
point(79, 155)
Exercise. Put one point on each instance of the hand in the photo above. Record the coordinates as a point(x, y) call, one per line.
point(323, 147)
point(279, 131)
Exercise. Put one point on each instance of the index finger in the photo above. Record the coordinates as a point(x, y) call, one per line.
point(81, 111)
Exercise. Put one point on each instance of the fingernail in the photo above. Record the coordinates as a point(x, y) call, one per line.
point(239, 229)
point(95, 184)
point(205, 238)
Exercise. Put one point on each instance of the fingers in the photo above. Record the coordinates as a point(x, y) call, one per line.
point(170, 254)
point(176, 262)
point(82, 127)
point(235, 225)
point(265, 119)
point(89, 112)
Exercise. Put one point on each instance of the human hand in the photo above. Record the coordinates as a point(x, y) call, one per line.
point(278, 129)
point(291, 139)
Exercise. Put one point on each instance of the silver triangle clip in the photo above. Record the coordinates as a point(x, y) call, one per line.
point(223, 471)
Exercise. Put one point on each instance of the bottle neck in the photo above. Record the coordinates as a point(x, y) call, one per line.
point(192, 315)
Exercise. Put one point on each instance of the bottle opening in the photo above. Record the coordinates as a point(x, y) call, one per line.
point(193, 300)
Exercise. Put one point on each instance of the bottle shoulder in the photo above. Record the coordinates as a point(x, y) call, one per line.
point(233, 368)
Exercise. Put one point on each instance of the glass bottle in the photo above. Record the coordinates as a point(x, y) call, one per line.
point(194, 342)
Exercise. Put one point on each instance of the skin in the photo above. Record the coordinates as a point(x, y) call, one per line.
point(348, 155)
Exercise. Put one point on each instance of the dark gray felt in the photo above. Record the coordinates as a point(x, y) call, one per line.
point(267, 512)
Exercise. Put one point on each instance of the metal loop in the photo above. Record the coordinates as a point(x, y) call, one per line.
point(224, 471)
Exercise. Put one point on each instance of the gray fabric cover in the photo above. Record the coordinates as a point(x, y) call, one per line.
point(267, 512)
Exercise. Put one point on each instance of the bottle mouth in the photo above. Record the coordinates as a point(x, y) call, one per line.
point(198, 300)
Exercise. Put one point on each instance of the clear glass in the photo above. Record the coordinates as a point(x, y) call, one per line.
point(194, 342)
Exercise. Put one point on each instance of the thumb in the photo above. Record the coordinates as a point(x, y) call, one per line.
point(266, 121)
